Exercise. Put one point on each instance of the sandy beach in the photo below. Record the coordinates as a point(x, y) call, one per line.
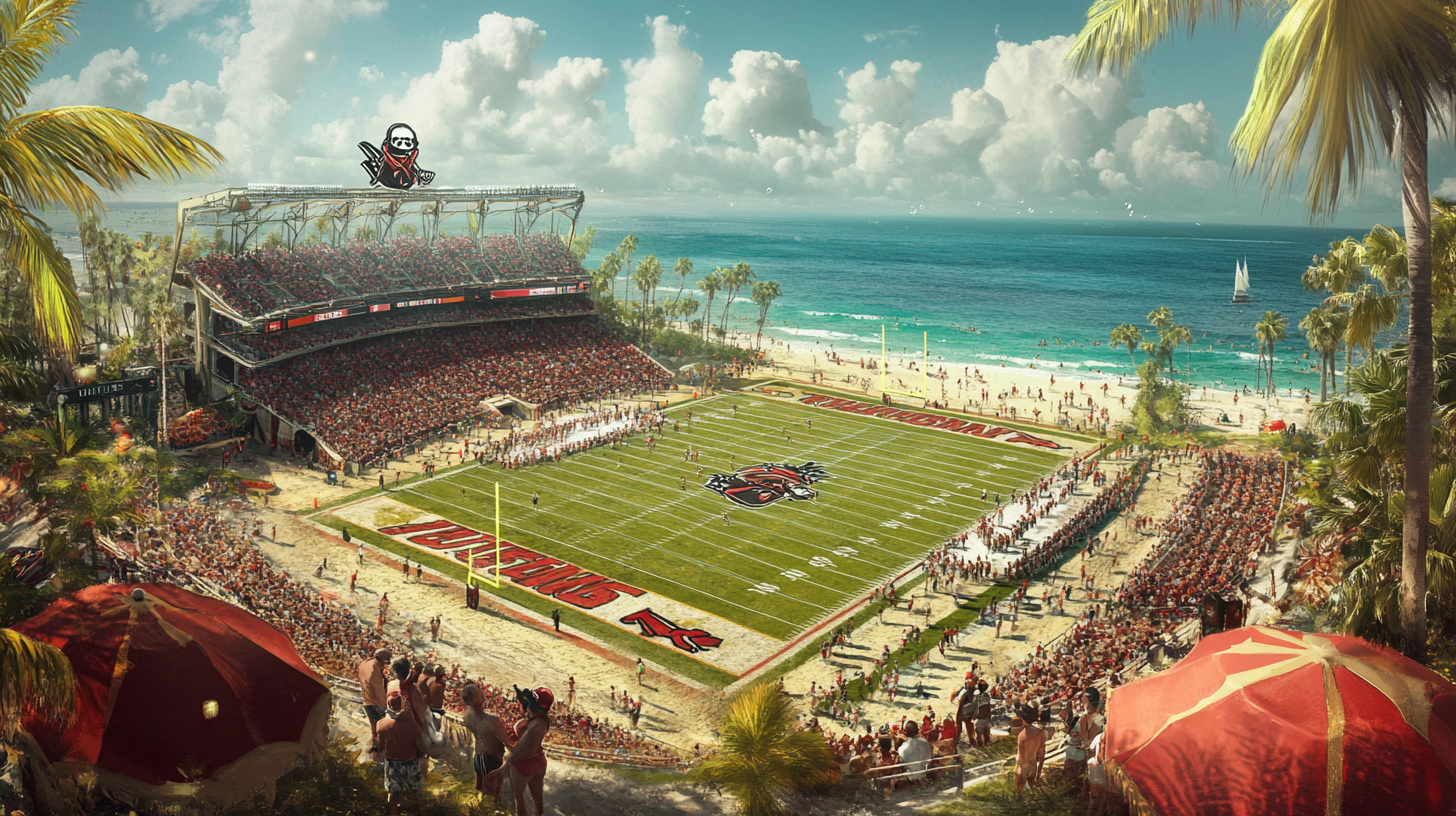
point(963, 384)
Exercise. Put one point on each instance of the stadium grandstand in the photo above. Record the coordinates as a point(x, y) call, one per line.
point(360, 321)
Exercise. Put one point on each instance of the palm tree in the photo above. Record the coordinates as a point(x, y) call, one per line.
point(1337, 270)
point(1319, 327)
point(605, 275)
point(683, 268)
point(625, 249)
point(1361, 504)
point(1357, 79)
point(1370, 313)
point(1160, 317)
point(738, 276)
point(1128, 335)
point(762, 753)
point(1175, 334)
point(1384, 253)
point(1267, 332)
point(582, 244)
point(36, 677)
point(646, 278)
point(49, 160)
point(763, 293)
point(709, 286)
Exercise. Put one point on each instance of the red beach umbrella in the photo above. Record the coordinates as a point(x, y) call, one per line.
point(1265, 722)
point(177, 694)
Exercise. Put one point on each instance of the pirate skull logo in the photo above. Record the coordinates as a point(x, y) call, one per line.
point(761, 485)
point(395, 162)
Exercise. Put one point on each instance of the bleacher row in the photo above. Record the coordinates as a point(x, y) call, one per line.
point(261, 347)
point(370, 398)
point(262, 281)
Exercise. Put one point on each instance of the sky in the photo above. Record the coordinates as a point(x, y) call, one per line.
point(960, 108)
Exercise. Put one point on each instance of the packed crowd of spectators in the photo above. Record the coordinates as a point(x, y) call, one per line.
point(1208, 544)
point(261, 281)
point(196, 542)
point(266, 346)
point(366, 399)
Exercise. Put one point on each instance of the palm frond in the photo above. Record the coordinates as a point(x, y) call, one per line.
point(44, 155)
point(1349, 68)
point(34, 676)
point(1120, 32)
point(55, 309)
point(30, 32)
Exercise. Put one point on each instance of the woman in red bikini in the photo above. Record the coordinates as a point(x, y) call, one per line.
point(527, 758)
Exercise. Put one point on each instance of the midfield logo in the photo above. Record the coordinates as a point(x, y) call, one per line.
point(761, 485)
point(655, 626)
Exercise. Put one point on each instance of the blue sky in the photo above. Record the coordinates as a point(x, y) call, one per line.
point(755, 104)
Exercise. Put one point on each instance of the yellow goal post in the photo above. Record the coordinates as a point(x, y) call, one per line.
point(924, 392)
point(471, 576)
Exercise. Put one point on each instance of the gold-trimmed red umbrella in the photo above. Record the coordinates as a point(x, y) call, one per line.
point(1265, 722)
point(180, 697)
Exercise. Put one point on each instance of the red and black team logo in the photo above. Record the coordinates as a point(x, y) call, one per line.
point(656, 626)
point(762, 485)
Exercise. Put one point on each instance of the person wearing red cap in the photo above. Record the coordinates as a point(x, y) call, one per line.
point(527, 758)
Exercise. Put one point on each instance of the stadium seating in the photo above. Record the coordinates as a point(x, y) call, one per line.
point(263, 347)
point(261, 281)
point(367, 399)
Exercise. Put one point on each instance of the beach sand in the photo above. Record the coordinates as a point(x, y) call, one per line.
point(804, 360)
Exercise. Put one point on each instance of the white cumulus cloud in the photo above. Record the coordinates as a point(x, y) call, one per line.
point(660, 88)
point(113, 78)
point(370, 73)
point(768, 95)
point(168, 11)
point(880, 99)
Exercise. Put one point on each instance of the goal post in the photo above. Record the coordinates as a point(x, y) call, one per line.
point(471, 576)
point(924, 392)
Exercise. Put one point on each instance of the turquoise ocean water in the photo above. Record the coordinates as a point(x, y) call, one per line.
point(1017, 282)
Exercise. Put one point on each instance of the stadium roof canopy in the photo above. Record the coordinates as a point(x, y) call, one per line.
point(248, 214)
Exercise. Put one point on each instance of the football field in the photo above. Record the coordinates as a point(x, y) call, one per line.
point(821, 506)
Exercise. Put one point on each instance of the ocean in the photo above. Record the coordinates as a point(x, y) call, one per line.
point(1018, 283)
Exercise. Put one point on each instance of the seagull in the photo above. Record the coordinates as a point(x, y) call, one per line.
point(978, 203)
point(770, 189)
point(601, 189)
point(1030, 210)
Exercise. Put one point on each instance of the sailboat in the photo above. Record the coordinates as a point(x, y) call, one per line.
point(1241, 283)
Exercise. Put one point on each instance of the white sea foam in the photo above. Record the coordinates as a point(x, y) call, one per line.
point(1100, 364)
point(824, 334)
point(846, 314)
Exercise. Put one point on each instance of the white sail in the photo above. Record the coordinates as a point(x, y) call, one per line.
point(1241, 282)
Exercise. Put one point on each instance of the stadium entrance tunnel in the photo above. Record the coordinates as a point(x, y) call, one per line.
point(304, 444)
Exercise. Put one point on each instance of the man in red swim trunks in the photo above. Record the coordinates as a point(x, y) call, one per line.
point(527, 758)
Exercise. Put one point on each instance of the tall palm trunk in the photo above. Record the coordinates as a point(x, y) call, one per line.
point(1419, 386)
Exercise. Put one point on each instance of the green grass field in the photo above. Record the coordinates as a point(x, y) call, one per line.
point(894, 491)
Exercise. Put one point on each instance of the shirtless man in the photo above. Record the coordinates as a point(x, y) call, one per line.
point(490, 740)
point(406, 682)
point(435, 695)
point(372, 682)
point(1030, 748)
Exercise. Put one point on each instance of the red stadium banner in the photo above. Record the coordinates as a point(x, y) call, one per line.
point(536, 292)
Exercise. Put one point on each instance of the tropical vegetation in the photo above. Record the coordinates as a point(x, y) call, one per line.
point(763, 755)
point(1341, 86)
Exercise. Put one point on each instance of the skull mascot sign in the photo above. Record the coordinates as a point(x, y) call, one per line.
point(395, 163)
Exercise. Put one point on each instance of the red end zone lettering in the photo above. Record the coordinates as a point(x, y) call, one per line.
point(548, 576)
point(927, 420)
